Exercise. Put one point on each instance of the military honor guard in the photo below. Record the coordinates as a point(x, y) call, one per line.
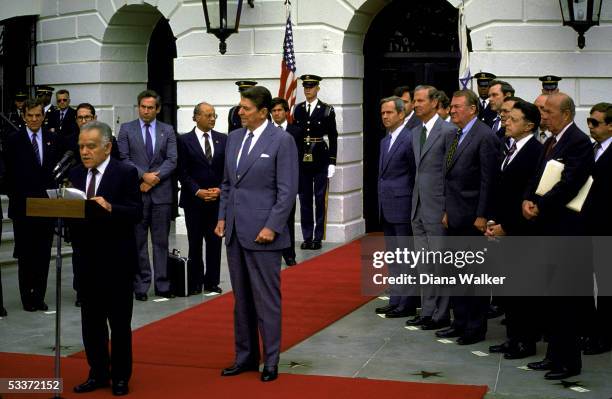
point(550, 84)
point(233, 119)
point(317, 165)
point(17, 111)
point(44, 94)
point(485, 113)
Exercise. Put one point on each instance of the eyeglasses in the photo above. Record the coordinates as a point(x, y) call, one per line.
point(211, 116)
point(85, 118)
point(63, 100)
point(594, 122)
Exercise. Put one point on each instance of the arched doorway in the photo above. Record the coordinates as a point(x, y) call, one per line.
point(408, 43)
point(160, 64)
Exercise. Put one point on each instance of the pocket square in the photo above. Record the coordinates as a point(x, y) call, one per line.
point(265, 156)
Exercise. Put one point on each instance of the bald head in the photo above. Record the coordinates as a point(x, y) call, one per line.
point(539, 102)
point(559, 111)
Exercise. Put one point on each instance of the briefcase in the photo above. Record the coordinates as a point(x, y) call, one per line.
point(178, 273)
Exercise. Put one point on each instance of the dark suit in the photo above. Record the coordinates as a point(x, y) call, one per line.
point(486, 114)
point(396, 171)
point(105, 250)
point(260, 193)
point(67, 128)
point(575, 151)
point(26, 177)
point(469, 183)
point(598, 214)
point(157, 202)
point(49, 123)
point(196, 172)
point(521, 318)
point(313, 173)
point(289, 252)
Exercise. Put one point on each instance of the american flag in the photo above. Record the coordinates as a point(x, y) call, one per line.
point(288, 79)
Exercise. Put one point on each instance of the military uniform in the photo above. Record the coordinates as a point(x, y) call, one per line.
point(315, 157)
point(550, 84)
point(233, 119)
point(485, 113)
point(48, 123)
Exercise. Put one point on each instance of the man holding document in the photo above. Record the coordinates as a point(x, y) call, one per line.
point(571, 147)
point(104, 246)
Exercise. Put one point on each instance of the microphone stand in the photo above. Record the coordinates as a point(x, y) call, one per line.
point(58, 286)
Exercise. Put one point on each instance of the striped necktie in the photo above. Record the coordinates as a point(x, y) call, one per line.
point(35, 148)
point(453, 148)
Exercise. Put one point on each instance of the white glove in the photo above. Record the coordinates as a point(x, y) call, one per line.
point(331, 170)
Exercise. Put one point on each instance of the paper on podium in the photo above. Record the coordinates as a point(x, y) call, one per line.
point(552, 176)
point(67, 193)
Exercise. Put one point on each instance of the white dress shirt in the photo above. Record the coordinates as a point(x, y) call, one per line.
point(200, 135)
point(519, 144)
point(430, 124)
point(394, 135)
point(604, 146)
point(152, 127)
point(101, 169)
point(313, 105)
point(256, 133)
point(39, 141)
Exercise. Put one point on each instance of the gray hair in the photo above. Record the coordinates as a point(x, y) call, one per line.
point(432, 92)
point(567, 104)
point(196, 109)
point(102, 128)
point(398, 102)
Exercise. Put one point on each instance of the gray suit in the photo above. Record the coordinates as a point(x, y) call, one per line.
point(428, 204)
point(260, 194)
point(157, 202)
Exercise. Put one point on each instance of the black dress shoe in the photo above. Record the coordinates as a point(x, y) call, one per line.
point(165, 294)
point(541, 365)
point(196, 291)
point(290, 262)
point(29, 308)
point(42, 306)
point(501, 348)
point(269, 373)
point(561, 374)
point(385, 309)
point(2, 312)
point(120, 388)
point(520, 351)
point(316, 245)
point(306, 245)
point(448, 333)
point(141, 297)
point(396, 313)
point(470, 339)
point(216, 289)
point(238, 369)
point(417, 320)
point(435, 324)
point(90, 385)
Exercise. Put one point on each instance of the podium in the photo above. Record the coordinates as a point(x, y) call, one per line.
point(59, 209)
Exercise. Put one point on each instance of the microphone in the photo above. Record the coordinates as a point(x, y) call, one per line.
point(68, 156)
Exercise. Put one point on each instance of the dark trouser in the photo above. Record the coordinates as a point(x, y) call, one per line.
point(470, 314)
point(33, 239)
point(521, 323)
point(289, 252)
point(115, 308)
point(599, 320)
point(563, 340)
point(396, 236)
point(201, 221)
point(312, 183)
point(255, 277)
point(156, 217)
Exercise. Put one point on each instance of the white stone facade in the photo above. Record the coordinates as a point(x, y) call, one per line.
point(97, 50)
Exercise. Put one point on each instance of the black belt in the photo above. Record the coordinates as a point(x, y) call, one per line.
point(313, 140)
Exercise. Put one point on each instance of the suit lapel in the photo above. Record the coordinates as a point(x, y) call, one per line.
point(464, 144)
point(384, 145)
point(401, 137)
point(160, 136)
point(258, 149)
point(195, 144)
point(138, 132)
point(218, 151)
point(102, 190)
point(431, 138)
point(236, 151)
point(81, 179)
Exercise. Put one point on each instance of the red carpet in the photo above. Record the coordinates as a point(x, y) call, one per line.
point(170, 382)
point(182, 355)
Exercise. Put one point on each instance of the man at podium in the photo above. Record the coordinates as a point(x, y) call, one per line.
point(105, 251)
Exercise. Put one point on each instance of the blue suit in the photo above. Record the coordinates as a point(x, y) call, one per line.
point(157, 202)
point(259, 194)
point(396, 170)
